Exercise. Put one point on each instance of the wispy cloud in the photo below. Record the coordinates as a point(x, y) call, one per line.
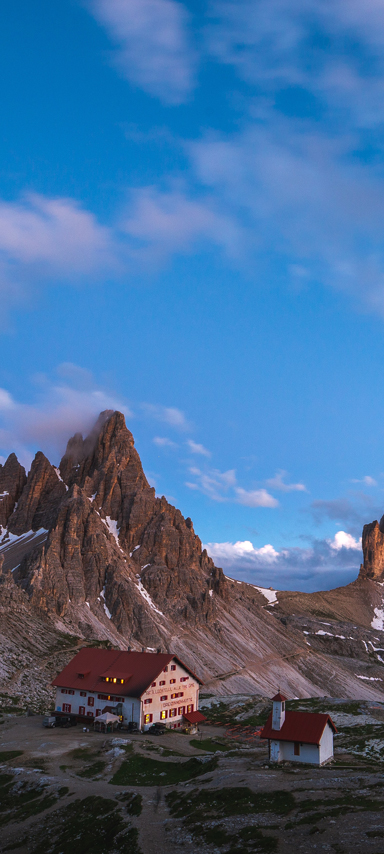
point(278, 482)
point(165, 222)
point(196, 448)
point(163, 442)
point(352, 510)
point(323, 565)
point(63, 405)
point(213, 483)
point(153, 49)
point(367, 480)
point(167, 414)
point(255, 498)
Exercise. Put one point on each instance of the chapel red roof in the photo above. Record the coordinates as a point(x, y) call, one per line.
point(194, 717)
point(139, 670)
point(305, 727)
point(279, 697)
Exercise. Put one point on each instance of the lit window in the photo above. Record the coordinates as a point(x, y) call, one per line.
point(148, 700)
point(121, 681)
point(148, 719)
point(163, 715)
point(189, 709)
point(172, 713)
point(91, 701)
point(181, 710)
point(172, 681)
point(173, 666)
point(162, 683)
point(115, 680)
point(164, 697)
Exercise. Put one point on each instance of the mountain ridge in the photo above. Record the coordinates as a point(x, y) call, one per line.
point(90, 554)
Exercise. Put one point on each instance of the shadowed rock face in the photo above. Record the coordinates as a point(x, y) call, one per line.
point(373, 551)
point(111, 543)
point(12, 482)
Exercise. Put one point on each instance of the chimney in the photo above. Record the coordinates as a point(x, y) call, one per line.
point(129, 648)
point(278, 711)
point(143, 648)
point(158, 650)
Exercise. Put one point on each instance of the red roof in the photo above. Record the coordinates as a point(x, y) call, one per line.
point(279, 697)
point(138, 669)
point(194, 717)
point(306, 727)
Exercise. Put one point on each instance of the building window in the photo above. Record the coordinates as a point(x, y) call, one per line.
point(148, 719)
point(173, 696)
point(163, 698)
point(173, 666)
point(172, 713)
point(98, 712)
point(64, 691)
point(91, 701)
point(181, 693)
point(189, 709)
point(148, 700)
point(181, 710)
point(165, 669)
point(283, 707)
point(162, 683)
point(83, 693)
point(81, 710)
point(296, 748)
point(67, 707)
point(153, 685)
point(89, 714)
point(163, 715)
point(172, 681)
point(184, 678)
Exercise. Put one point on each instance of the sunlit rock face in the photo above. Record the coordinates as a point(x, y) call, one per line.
point(373, 551)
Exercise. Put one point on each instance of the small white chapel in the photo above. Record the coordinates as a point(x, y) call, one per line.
point(298, 736)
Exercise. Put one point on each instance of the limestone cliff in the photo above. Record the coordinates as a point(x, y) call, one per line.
point(373, 551)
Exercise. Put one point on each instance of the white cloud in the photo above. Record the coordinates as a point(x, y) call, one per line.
point(6, 400)
point(167, 414)
point(255, 498)
point(342, 540)
point(195, 448)
point(321, 566)
point(367, 480)
point(277, 482)
point(60, 409)
point(163, 442)
point(165, 222)
point(213, 483)
point(153, 49)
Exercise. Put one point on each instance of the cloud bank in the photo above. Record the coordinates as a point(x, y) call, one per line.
point(324, 565)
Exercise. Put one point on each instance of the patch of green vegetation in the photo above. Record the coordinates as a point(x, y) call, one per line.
point(133, 803)
point(90, 826)
point(335, 807)
point(19, 801)
point(84, 753)
point(144, 771)
point(201, 812)
point(92, 770)
point(6, 755)
point(238, 800)
point(209, 744)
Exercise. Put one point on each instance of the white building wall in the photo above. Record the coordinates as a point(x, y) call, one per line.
point(309, 753)
point(275, 751)
point(188, 688)
point(326, 744)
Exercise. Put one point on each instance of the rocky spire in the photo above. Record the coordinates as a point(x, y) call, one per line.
point(373, 551)
point(39, 499)
point(12, 482)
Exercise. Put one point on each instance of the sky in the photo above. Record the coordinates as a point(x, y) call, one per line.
point(191, 231)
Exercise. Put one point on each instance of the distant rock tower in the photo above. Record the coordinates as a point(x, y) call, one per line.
point(278, 711)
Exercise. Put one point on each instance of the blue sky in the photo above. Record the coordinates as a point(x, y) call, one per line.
point(191, 230)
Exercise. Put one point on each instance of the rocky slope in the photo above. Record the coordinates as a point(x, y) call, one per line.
point(91, 555)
